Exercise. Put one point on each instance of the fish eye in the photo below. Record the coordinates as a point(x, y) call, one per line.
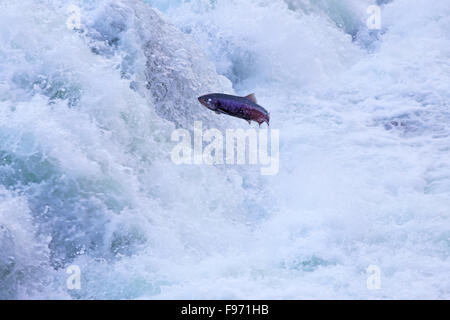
point(209, 100)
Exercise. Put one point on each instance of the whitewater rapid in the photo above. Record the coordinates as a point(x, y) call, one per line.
point(86, 177)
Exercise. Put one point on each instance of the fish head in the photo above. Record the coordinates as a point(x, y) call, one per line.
point(208, 101)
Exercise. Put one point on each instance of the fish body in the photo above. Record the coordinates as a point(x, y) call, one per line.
point(241, 107)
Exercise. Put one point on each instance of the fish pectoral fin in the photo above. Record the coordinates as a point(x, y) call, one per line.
point(249, 122)
point(251, 97)
point(218, 112)
point(225, 112)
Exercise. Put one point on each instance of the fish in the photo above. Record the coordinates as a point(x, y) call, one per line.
point(240, 107)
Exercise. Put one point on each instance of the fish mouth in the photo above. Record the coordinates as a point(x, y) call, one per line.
point(203, 102)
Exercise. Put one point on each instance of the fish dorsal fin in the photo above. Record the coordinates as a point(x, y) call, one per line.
point(251, 97)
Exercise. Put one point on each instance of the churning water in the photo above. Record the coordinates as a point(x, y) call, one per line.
point(86, 177)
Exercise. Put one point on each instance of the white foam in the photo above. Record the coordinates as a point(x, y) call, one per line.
point(85, 150)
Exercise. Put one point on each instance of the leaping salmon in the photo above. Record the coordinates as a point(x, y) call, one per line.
point(241, 107)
